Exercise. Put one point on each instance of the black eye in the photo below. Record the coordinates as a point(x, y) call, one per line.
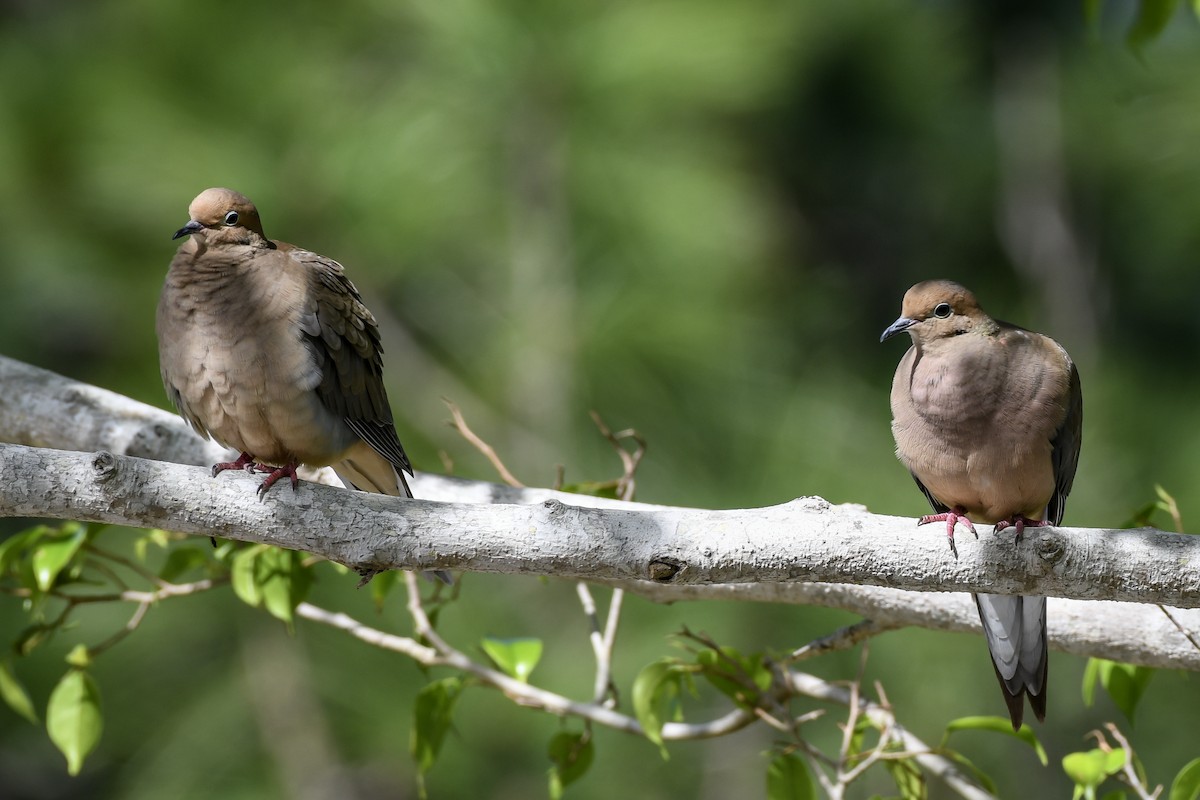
point(942, 310)
point(231, 219)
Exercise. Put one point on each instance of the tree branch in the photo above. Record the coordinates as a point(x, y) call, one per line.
point(804, 539)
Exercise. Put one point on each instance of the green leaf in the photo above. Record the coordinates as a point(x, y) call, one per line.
point(998, 725)
point(180, 561)
point(13, 546)
point(981, 777)
point(433, 713)
point(572, 755)
point(517, 656)
point(593, 488)
point(649, 688)
point(721, 674)
point(788, 779)
point(908, 778)
point(1186, 785)
point(244, 575)
point(1115, 794)
point(1125, 684)
point(73, 717)
point(855, 745)
point(1090, 769)
point(55, 552)
point(1090, 674)
point(1152, 18)
point(283, 580)
point(381, 585)
point(16, 697)
point(79, 657)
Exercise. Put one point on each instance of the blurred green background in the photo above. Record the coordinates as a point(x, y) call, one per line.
point(694, 217)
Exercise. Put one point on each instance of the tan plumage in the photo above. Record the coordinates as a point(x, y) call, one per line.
point(269, 349)
point(987, 417)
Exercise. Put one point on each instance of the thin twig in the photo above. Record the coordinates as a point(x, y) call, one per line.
point(600, 643)
point(1131, 776)
point(626, 483)
point(841, 639)
point(480, 444)
point(1186, 633)
point(129, 628)
point(135, 567)
point(610, 638)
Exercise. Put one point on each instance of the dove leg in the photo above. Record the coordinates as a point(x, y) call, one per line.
point(951, 518)
point(1020, 522)
point(244, 461)
point(289, 471)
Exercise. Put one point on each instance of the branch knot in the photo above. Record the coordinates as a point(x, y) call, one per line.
point(104, 465)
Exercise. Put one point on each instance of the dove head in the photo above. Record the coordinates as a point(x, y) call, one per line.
point(939, 309)
point(222, 216)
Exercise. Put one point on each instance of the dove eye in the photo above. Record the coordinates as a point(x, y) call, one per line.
point(941, 310)
point(231, 218)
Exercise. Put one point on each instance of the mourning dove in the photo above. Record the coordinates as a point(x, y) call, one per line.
point(268, 349)
point(987, 418)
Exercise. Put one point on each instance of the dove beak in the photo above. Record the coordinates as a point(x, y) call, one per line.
point(899, 326)
point(187, 230)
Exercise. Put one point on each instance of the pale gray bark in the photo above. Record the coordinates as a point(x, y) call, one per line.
point(761, 554)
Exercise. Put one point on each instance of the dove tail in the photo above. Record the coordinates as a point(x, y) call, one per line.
point(1015, 629)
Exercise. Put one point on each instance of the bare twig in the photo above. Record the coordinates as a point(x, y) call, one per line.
point(601, 642)
point(129, 628)
point(841, 639)
point(1186, 633)
point(626, 484)
point(131, 565)
point(480, 444)
point(1130, 775)
point(447, 462)
point(610, 638)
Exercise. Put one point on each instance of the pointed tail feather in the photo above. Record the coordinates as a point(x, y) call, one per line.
point(1015, 629)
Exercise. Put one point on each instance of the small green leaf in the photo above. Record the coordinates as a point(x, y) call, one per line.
point(788, 778)
point(648, 693)
point(1090, 674)
point(55, 552)
point(572, 755)
point(381, 585)
point(998, 725)
point(283, 580)
point(15, 696)
point(1125, 684)
point(1090, 769)
point(723, 675)
point(244, 575)
point(1115, 794)
point(433, 713)
point(593, 488)
point(855, 744)
point(908, 778)
point(73, 717)
point(1186, 785)
point(180, 561)
point(13, 546)
point(517, 656)
point(78, 657)
point(981, 777)
point(1152, 18)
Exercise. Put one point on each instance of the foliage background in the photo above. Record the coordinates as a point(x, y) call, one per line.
point(694, 217)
